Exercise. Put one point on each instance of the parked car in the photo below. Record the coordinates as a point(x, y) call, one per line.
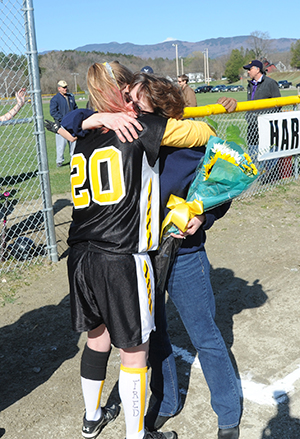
point(203, 89)
point(284, 84)
point(235, 88)
point(219, 88)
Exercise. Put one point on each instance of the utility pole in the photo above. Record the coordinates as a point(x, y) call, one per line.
point(176, 51)
point(182, 72)
point(206, 66)
point(75, 76)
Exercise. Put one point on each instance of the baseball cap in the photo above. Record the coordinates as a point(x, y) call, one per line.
point(147, 69)
point(62, 83)
point(255, 63)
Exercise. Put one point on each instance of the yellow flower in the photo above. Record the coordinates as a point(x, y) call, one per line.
point(247, 157)
point(225, 153)
point(208, 167)
point(254, 169)
point(229, 159)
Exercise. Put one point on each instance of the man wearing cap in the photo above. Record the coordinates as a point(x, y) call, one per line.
point(61, 104)
point(260, 86)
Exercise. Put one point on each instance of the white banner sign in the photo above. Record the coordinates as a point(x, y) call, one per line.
point(278, 135)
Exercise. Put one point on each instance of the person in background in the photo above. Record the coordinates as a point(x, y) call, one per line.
point(61, 104)
point(188, 94)
point(147, 69)
point(20, 96)
point(259, 86)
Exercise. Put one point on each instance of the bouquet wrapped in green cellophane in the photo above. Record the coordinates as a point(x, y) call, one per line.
point(223, 174)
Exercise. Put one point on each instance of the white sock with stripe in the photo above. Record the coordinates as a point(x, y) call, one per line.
point(133, 392)
point(92, 391)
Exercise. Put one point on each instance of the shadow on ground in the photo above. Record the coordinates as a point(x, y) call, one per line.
point(282, 426)
point(33, 348)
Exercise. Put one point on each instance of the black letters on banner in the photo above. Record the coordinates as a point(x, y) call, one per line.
point(285, 136)
point(295, 133)
point(274, 133)
point(289, 134)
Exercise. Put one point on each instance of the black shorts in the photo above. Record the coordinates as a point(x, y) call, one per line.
point(114, 289)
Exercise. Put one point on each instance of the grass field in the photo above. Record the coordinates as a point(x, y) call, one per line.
point(59, 177)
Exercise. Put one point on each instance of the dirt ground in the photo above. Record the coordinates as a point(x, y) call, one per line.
point(254, 253)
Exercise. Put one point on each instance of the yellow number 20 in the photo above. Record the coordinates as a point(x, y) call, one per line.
point(105, 189)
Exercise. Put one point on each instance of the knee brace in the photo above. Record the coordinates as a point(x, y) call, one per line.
point(94, 364)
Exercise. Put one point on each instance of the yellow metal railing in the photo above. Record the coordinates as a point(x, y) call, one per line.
point(259, 104)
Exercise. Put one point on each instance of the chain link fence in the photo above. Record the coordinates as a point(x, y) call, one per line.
point(25, 201)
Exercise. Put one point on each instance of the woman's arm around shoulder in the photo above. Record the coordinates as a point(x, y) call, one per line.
point(186, 133)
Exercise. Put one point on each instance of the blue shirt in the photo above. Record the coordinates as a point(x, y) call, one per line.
point(60, 106)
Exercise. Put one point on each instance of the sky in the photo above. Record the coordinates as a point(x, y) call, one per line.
point(68, 24)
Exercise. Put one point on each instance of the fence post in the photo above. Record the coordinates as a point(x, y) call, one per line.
point(36, 99)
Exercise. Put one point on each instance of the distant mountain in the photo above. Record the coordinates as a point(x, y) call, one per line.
point(216, 47)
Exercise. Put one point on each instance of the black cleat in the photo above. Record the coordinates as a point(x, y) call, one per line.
point(91, 429)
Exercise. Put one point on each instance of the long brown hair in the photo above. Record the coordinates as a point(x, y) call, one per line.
point(163, 96)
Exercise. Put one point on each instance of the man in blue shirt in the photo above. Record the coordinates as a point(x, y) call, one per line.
point(61, 104)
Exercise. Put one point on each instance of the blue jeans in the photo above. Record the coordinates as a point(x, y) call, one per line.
point(190, 289)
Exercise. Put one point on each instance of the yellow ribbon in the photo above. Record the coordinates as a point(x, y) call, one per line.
point(181, 212)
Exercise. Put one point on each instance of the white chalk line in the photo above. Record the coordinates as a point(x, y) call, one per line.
point(258, 393)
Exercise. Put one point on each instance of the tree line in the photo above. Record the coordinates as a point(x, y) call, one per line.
point(61, 65)
point(72, 65)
